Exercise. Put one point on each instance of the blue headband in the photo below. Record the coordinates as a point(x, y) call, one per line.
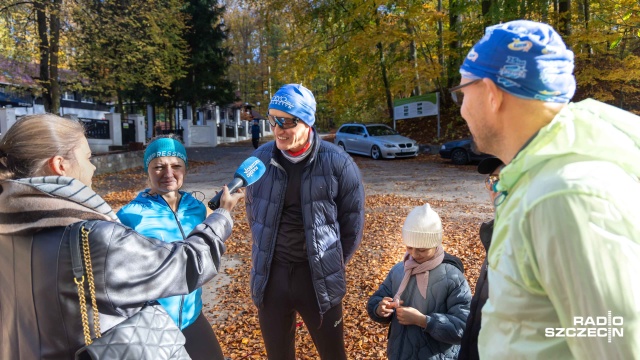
point(164, 147)
point(296, 100)
point(524, 58)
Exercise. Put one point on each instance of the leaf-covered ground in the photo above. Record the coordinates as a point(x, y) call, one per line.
point(239, 330)
point(234, 317)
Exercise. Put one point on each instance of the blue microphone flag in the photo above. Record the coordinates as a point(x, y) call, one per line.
point(250, 170)
point(248, 173)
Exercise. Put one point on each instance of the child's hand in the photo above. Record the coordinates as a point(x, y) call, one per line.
point(411, 316)
point(385, 307)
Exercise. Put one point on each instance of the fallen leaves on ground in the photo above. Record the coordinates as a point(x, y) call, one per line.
point(235, 318)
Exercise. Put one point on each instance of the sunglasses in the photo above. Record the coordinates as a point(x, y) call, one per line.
point(457, 95)
point(491, 183)
point(283, 122)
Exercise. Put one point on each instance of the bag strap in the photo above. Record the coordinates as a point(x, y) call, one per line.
point(79, 243)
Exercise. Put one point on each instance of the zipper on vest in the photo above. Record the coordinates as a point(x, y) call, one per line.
point(275, 234)
point(175, 216)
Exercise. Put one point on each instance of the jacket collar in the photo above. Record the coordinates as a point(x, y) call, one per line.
point(314, 149)
point(33, 204)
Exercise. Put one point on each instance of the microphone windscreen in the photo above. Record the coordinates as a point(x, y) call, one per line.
point(250, 170)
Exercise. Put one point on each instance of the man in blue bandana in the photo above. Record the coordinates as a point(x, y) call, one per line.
point(565, 251)
point(306, 215)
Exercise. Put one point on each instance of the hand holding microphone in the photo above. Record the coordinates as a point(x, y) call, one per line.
point(249, 172)
point(227, 200)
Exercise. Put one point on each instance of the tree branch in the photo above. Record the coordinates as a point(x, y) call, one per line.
point(15, 4)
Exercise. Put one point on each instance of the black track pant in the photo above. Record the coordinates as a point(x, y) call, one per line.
point(290, 290)
point(256, 142)
point(201, 340)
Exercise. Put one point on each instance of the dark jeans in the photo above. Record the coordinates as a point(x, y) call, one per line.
point(256, 142)
point(290, 290)
point(202, 343)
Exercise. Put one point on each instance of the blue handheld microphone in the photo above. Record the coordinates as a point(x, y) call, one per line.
point(249, 172)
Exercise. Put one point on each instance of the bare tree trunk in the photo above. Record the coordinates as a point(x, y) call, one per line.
point(441, 44)
point(172, 116)
point(413, 59)
point(119, 105)
point(564, 12)
point(194, 112)
point(154, 120)
point(486, 7)
point(454, 61)
point(587, 19)
point(41, 18)
point(383, 68)
point(55, 46)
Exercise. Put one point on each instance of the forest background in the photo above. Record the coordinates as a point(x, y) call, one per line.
point(356, 56)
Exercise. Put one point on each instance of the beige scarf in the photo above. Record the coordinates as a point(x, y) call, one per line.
point(421, 271)
point(32, 204)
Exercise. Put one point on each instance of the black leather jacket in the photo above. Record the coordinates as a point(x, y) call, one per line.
point(40, 316)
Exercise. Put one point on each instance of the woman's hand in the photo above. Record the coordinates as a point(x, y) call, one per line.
point(228, 201)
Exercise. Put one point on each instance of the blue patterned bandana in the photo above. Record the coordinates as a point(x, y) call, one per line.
point(164, 147)
point(296, 100)
point(524, 58)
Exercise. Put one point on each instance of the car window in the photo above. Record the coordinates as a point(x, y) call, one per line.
point(344, 129)
point(380, 130)
point(353, 130)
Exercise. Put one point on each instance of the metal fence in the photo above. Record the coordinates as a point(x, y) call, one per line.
point(96, 129)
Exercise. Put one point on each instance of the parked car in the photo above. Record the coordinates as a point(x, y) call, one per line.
point(461, 152)
point(375, 140)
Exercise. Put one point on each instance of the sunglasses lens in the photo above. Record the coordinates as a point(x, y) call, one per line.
point(457, 97)
point(283, 122)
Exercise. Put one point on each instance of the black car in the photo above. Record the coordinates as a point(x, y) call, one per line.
point(461, 152)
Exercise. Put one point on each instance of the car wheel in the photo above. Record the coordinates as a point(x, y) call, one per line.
point(341, 145)
point(375, 152)
point(459, 157)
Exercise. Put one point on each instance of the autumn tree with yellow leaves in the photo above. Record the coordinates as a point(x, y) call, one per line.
point(358, 57)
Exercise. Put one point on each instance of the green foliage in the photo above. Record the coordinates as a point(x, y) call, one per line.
point(352, 54)
point(207, 59)
point(121, 45)
point(356, 56)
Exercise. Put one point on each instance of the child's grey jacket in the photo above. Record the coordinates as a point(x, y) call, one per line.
point(446, 307)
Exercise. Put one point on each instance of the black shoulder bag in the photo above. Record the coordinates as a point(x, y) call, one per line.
point(148, 334)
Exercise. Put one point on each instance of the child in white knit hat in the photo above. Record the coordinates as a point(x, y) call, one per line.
point(425, 297)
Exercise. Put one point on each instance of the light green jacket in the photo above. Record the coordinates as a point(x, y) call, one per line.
point(566, 242)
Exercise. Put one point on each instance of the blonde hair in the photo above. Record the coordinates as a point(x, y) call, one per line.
point(33, 140)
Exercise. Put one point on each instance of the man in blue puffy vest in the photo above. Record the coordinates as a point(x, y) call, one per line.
point(306, 216)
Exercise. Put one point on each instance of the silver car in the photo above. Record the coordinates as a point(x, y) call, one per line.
point(375, 140)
